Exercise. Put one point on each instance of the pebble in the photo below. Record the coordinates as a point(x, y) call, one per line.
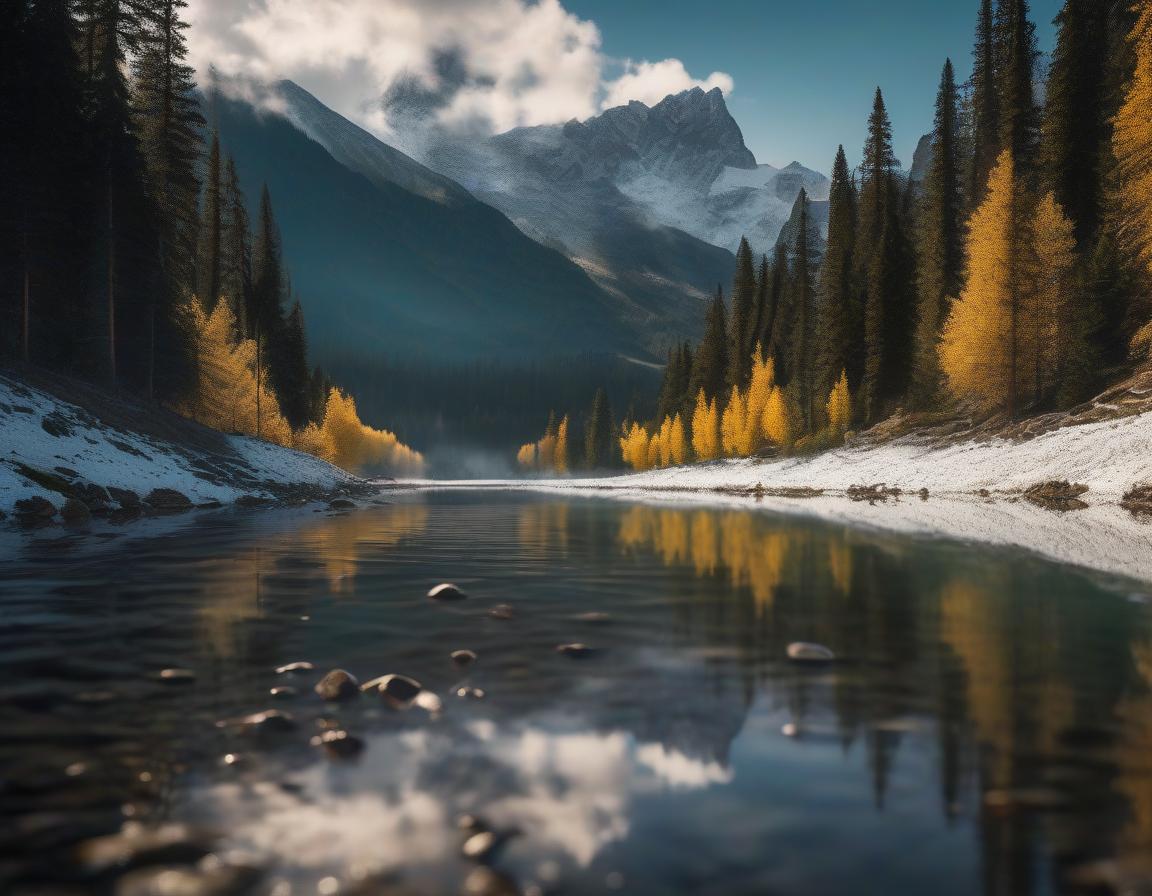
point(283, 693)
point(269, 720)
point(292, 668)
point(338, 685)
point(502, 611)
point(446, 592)
point(575, 651)
point(470, 693)
point(594, 618)
point(398, 690)
point(804, 652)
point(464, 657)
point(480, 846)
point(339, 744)
point(176, 676)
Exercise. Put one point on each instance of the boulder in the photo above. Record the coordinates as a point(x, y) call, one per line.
point(75, 512)
point(95, 496)
point(35, 509)
point(398, 690)
point(125, 497)
point(167, 500)
point(341, 504)
point(338, 685)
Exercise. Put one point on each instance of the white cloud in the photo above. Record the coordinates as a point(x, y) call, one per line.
point(650, 82)
point(487, 64)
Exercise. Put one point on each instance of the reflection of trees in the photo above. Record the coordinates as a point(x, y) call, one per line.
point(1022, 667)
point(284, 567)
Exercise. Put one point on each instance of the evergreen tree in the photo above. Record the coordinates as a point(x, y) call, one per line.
point(986, 116)
point(1132, 148)
point(878, 182)
point(760, 315)
point(598, 434)
point(775, 336)
point(1015, 38)
point(295, 379)
point(841, 317)
point(740, 337)
point(210, 274)
point(803, 360)
point(940, 246)
point(710, 366)
point(236, 252)
point(1076, 114)
point(266, 311)
point(13, 157)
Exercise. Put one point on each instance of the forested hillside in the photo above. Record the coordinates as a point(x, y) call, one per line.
point(1013, 279)
point(129, 253)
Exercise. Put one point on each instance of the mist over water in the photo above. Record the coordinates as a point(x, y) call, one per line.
point(984, 730)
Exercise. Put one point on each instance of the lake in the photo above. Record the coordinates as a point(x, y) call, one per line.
point(986, 728)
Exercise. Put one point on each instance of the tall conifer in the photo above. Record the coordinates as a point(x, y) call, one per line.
point(710, 365)
point(841, 317)
point(740, 323)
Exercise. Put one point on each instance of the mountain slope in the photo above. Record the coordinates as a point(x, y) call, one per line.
point(405, 262)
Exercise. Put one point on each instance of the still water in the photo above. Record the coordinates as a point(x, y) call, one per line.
point(987, 729)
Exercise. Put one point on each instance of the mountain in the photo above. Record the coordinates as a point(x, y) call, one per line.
point(653, 279)
point(392, 258)
point(680, 164)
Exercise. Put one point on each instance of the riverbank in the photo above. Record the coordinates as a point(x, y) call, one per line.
point(975, 490)
point(69, 444)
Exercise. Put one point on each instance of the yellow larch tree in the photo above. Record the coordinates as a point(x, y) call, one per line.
point(1132, 145)
point(354, 445)
point(652, 462)
point(679, 438)
point(560, 458)
point(733, 422)
point(980, 349)
point(777, 423)
point(839, 407)
point(527, 458)
point(634, 446)
point(759, 390)
point(705, 429)
point(1054, 325)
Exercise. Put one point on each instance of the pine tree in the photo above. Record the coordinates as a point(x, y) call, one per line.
point(841, 317)
point(740, 338)
point(210, 273)
point(878, 182)
point(940, 247)
point(236, 251)
point(1015, 39)
point(598, 453)
point(294, 389)
point(803, 361)
point(776, 335)
point(266, 313)
point(710, 365)
point(561, 458)
point(986, 115)
point(14, 310)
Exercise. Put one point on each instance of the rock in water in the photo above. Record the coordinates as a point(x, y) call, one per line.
point(398, 690)
point(339, 744)
point(464, 657)
point(176, 676)
point(804, 652)
point(446, 591)
point(293, 668)
point(338, 685)
point(341, 504)
point(575, 651)
point(485, 881)
point(502, 611)
point(268, 721)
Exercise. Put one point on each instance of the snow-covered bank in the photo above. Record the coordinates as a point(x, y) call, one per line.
point(1109, 457)
point(120, 444)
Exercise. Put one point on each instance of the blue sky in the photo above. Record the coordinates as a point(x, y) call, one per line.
point(805, 70)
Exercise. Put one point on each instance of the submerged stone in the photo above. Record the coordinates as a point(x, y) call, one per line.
point(270, 720)
point(338, 685)
point(446, 591)
point(575, 651)
point(502, 611)
point(293, 668)
point(805, 652)
point(464, 657)
point(339, 744)
point(398, 690)
point(136, 846)
point(176, 676)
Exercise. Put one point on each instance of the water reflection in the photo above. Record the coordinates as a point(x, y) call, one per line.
point(987, 729)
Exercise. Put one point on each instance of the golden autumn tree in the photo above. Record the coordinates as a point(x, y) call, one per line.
point(527, 457)
point(980, 349)
point(706, 429)
point(839, 407)
point(1132, 146)
point(560, 457)
point(759, 390)
point(634, 445)
point(733, 423)
point(679, 442)
point(356, 446)
point(778, 419)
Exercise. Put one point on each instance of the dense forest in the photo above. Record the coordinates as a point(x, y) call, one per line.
point(1013, 279)
point(128, 253)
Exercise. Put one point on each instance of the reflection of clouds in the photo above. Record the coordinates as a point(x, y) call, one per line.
point(569, 793)
point(680, 771)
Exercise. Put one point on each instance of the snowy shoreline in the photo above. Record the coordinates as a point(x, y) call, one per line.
point(1109, 457)
point(61, 443)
